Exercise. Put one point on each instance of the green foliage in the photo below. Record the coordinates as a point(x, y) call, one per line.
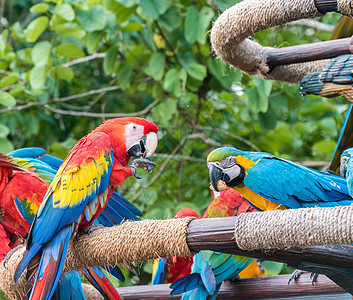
point(60, 60)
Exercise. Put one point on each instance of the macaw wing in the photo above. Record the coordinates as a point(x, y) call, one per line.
point(80, 179)
point(286, 183)
point(345, 140)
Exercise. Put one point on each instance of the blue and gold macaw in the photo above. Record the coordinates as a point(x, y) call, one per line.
point(116, 211)
point(272, 183)
point(346, 168)
point(336, 79)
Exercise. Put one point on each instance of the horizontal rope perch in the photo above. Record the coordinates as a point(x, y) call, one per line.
point(229, 37)
point(150, 239)
point(295, 228)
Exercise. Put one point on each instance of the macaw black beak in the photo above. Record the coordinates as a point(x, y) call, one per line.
point(216, 174)
point(146, 146)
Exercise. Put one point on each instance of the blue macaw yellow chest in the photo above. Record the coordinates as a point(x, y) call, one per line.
point(257, 200)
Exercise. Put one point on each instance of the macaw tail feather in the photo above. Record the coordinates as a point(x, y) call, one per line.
point(186, 284)
point(119, 199)
point(27, 257)
point(98, 279)
point(30, 152)
point(69, 287)
point(116, 272)
point(51, 265)
point(158, 271)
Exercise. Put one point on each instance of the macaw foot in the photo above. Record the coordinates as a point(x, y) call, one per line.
point(260, 265)
point(313, 277)
point(9, 254)
point(143, 163)
point(296, 274)
point(90, 229)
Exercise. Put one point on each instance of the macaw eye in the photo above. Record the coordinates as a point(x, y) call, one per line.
point(229, 161)
point(134, 127)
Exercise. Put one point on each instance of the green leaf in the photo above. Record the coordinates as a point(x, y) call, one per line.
point(192, 24)
point(268, 120)
point(41, 53)
point(273, 268)
point(125, 74)
point(69, 50)
point(205, 17)
point(6, 99)
point(4, 131)
point(65, 11)
point(63, 73)
point(224, 4)
point(35, 28)
point(8, 80)
point(38, 76)
point(256, 102)
point(124, 13)
point(171, 82)
point(92, 41)
point(165, 111)
point(110, 59)
point(39, 8)
point(131, 27)
point(154, 8)
point(128, 3)
point(70, 29)
point(171, 19)
point(324, 149)
point(93, 19)
point(156, 65)
point(197, 71)
point(6, 146)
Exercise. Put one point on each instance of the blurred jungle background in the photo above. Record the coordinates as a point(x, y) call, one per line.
point(67, 65)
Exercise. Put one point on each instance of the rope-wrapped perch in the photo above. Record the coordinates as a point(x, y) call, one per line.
point(150, 239)
point(229, 36)
point(295, 228)
point(131, 241)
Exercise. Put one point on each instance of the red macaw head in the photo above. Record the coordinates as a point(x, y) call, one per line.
point(131, 136)
point(187, 212)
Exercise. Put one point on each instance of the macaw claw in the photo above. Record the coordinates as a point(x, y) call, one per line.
point(89, 229)
point(297, 273)
point(143, 163)
point(9, 254)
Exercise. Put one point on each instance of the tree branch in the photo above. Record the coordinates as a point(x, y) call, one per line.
point(313, 24)
point(84, 59)
point(102, 115)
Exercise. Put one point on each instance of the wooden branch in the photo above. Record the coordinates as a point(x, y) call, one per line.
point(325, 6)
point(248, 288)
point(307, 52)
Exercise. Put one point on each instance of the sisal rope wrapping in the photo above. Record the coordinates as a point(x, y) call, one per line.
point(131, 241)
point(229, 36)
point(298, 228)
point(345, 7)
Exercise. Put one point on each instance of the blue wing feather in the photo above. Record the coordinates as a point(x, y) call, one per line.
point(158, 277)
point(289, 184)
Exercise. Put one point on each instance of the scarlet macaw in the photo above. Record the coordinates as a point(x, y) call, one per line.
point(22, 193)
point(211, 268)
point(79, 192)
point(171, 269)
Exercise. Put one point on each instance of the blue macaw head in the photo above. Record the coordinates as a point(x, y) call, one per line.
point(222, 164)
point(311, 84)
point(345, 157)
